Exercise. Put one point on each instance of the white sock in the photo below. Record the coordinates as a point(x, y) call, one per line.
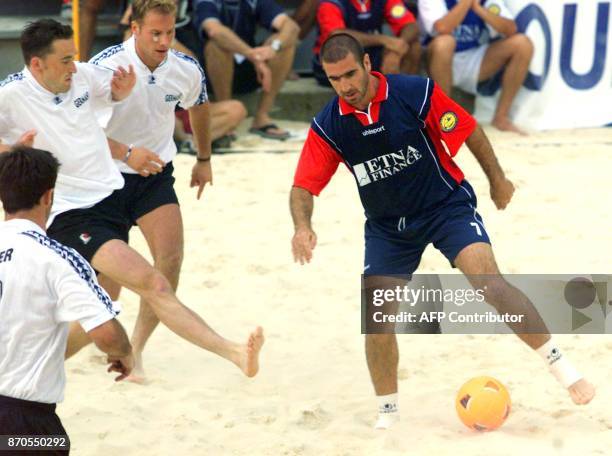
point(559, 365)
point(388, 411)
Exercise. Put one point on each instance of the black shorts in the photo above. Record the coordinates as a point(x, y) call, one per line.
point(27, 418)
point(86, 230)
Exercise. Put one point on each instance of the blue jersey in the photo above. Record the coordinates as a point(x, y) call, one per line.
point(399, 150)
point(472, 31)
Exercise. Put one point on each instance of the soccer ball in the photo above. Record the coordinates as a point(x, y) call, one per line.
point(483, 403)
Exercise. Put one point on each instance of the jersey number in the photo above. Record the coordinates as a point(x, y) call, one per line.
point(0, 289)
point(475, 225)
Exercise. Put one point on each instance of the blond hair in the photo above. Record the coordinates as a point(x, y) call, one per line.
point(141, 7)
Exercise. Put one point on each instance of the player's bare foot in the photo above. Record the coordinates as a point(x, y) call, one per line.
point(138, 374)
point(504, 124)
point(582, 392)
point(249, 362)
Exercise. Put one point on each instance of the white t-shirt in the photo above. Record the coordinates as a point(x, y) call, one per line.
point(67, 127)
point(43, 286)
point(146, 118)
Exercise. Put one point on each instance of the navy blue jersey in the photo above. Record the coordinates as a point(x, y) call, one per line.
point(242, 16)
point(399, 151)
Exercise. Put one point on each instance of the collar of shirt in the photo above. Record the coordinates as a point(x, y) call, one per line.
point(130, 46)
point(382, 93)
point(20, 225)
point(55, 98)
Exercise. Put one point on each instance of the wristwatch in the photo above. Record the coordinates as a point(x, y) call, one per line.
point(277, 45)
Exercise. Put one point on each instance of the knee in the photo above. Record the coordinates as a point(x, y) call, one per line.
point(156, 284)
point(237, 112)
point(170, 262)
point(522, 45)
point(495, 291)
point(442, 45)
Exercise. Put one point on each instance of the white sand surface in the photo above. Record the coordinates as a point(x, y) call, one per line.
point(313, 395)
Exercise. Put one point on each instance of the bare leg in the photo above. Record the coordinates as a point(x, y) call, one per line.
point(477, 262)
point(88, 22)
point(440, 54)
point(128, 268)
point(225, 116)
point(381, 349)
point(513, 53)
point(163, 231)
point(279, 66)
point(220, 70)
point(304, 16)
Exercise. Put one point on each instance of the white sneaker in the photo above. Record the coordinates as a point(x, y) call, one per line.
point(386, 420)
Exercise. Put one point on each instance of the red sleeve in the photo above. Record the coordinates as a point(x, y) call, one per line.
point(448, 121)
point(329, 18)
point(318, 163)
point(397, 15)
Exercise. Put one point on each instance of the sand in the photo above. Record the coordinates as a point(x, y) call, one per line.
point(313, 395)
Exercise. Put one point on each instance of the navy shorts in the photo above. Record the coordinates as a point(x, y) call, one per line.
point(27, 418)
point(394, 246)
point(86, 230)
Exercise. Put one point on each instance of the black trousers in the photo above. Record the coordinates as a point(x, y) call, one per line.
point(27, 418)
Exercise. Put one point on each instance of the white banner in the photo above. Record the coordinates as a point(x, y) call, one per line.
point(569, 83)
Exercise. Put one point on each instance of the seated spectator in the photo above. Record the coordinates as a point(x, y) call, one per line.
point(464, 48)
point(234, 63)
point(225, 116)
point(364, 20)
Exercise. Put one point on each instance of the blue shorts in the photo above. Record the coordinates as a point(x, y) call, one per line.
point(395, 245)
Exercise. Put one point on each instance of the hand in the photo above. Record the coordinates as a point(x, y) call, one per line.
point(201, 174)
point(145, 162)
point(264, 76)
point(262, 54)
point(501, 192)
point(303, 242)
point(122, 83)
point(27, 138)
point(122, 365)
point(397, 45)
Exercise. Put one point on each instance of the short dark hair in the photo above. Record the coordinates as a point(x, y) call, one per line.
point(338, 46)
point(25, 175)
point(37, 37)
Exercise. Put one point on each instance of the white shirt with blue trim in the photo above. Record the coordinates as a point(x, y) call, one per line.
point(43, 286)
point(66, 126)
point(146, 117)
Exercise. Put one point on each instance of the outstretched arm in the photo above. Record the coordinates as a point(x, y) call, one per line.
point(502, 189)
point(304, 240)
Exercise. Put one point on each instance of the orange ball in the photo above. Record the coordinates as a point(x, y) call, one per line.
point(483, 403)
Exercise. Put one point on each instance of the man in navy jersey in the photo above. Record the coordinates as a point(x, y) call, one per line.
point(472, 41)
point(397, 135)
point(364, 20)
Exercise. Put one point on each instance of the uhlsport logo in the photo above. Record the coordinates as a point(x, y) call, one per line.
point(85, 238)
point(172, 98)
point(384, 166)
point(78, 102)
point(373, 131)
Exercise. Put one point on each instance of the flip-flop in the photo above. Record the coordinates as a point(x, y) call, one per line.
point(264, 132)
